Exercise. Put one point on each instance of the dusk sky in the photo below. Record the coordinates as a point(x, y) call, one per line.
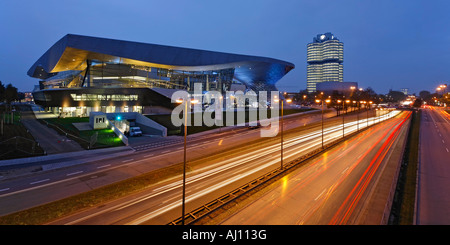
point(388, 44)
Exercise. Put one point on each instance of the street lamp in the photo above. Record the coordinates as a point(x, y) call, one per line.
point(339, 101)
point(327, 101)
point(357, 116)
point(194, 101)
point(367, 112)
point(343, 105)
point(365, 107)
point(282, 126)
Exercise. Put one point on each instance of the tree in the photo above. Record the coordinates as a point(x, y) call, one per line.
point(371, 93)
point(417, 103)
point(2, 92)
point(20, 96)
point(11, 93)
point(425, 95)
point(396, 96)
point(301, 96)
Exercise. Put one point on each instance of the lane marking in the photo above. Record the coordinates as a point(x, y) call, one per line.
point(5, 189)
point(149, 155)
point(165, 152)
point(39, 181)
point(128, 160)
point(320, 194)
point(78, 172)
point(104, 166)
point(345, 170)
point(294, 143)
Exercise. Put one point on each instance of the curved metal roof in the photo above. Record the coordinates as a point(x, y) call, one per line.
point(71, 52)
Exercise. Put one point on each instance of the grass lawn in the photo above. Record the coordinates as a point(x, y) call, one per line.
point(404, 201)
point(15, 140)
point(105, 137)
point(51, 211)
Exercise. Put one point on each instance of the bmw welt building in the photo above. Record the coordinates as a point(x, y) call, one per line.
point(80, 74)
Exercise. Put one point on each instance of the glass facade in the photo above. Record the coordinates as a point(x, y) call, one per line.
point(80, 74)
point(99, 86)
point(119, 75)
point(325, 57)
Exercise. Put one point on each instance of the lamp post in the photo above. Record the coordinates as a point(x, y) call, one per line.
point(352, 89)
point(376, 116)
point(318, 101)
point(339, 101)
point(183, 206)
point(343, 115)
point(357, 115)
point(282, 126)
point(367, 112)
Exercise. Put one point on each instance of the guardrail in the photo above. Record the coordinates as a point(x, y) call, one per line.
point(22, 144)
point(392, 190)
point(68, 135)
point(216, 205)
point(202, 212)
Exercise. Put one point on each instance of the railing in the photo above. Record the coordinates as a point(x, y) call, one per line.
point(61, 131)
point(392, 190)
point(118, 132)
point(21, 144)
point(204, 211)
point(246, 189)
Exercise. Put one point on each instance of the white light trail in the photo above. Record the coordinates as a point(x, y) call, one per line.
point(313, 139)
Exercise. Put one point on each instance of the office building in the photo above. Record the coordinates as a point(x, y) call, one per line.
point(325, 57)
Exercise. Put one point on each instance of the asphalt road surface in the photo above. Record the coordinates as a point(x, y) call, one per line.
point(433, 194)
point(86, 170)
point(161, 203)
point(333, 188)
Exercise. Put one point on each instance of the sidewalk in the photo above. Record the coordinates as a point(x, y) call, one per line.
point(21, 166)
point(49, 140)
point(64, 159)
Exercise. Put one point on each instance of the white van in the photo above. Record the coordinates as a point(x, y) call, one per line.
point(135, 131)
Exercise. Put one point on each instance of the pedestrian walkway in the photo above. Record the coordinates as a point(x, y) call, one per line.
point(49, 140)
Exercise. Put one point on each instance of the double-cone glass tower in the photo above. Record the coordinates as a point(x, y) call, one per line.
point(325, 57)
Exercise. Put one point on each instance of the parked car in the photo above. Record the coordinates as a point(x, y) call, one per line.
point(135, 131)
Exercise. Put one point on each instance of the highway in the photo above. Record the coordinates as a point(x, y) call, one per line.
point(433, 192)
point(334, 188)
point(93, 169)
point(161, 203)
